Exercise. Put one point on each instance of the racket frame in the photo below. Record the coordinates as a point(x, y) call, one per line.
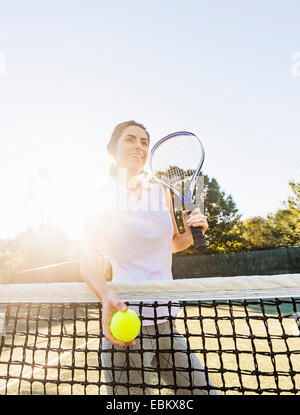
point(196, 173)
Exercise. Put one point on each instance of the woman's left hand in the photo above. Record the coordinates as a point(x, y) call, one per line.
point(197, 219)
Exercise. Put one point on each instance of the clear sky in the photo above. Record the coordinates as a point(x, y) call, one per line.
point(70, 70)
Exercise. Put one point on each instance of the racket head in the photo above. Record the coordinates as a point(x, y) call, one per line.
point(176, 158)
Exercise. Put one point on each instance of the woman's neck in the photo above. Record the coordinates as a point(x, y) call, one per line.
point(133, 181)
point(128, 178)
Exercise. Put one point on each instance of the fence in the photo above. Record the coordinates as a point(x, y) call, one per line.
point(270, 262)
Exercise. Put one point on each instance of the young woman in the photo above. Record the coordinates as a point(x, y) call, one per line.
point(138, 240)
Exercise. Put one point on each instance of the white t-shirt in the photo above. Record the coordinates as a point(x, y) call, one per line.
point(136, 236)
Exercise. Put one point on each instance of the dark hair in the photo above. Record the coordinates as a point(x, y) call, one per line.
point(114, 138)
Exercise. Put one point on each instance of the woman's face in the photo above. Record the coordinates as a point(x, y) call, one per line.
point(132, 149)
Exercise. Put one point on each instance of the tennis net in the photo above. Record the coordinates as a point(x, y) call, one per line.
point(236, 335)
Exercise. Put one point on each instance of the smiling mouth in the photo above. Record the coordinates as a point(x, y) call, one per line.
point(138, 156)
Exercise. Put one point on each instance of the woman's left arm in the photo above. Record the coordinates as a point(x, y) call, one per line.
point(182, 241)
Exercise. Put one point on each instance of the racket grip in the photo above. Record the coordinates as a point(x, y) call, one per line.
point(199, 240)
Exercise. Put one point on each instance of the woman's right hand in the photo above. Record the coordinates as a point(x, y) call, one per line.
point(110, 305)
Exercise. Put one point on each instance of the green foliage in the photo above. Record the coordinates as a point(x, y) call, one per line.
point(285, 227)
point(227, 233)
point(257, 234)
point(223, 218)
point(223, 234)
point(293, 202)
point(279, 230)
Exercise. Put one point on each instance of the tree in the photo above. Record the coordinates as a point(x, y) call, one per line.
point(286, 222)
point(47, 245)
point(293, 202)
point(36, 195)
point(257, 234)
point(223, 234)
point(278, 230)
point(285, 227)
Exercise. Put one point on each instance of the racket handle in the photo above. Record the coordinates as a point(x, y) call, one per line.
point(199, 240)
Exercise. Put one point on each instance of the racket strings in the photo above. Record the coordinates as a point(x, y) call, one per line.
point(175, 160)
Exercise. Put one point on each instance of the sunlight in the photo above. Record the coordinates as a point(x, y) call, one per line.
point(62, 198)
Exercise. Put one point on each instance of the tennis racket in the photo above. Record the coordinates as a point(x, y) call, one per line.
point(175, 160)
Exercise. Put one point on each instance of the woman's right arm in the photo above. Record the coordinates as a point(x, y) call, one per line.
point(94, 276)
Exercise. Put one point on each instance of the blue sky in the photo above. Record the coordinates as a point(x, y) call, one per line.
point(74, 69)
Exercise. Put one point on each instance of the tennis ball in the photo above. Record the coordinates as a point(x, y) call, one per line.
point(125, 325)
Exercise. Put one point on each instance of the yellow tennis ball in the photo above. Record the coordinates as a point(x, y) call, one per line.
point(125, 325)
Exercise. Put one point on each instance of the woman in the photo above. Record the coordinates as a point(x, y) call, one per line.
point(139, 242)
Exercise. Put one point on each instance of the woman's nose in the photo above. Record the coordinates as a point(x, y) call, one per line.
point(138, 145)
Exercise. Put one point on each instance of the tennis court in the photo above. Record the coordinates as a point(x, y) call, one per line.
point(244, 331)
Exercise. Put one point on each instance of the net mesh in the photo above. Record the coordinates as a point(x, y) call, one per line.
point(218, 343)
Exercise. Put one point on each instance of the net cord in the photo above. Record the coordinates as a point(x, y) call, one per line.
point(219, 288)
